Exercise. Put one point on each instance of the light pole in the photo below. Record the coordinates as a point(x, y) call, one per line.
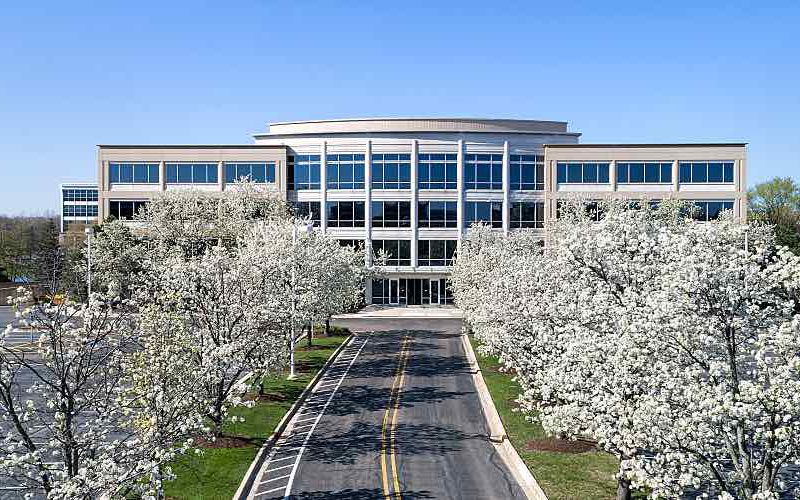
point(89, 231)
point(307, 228)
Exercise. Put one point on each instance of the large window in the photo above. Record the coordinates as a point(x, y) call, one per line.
point(355, 243)
point(709, 210)
point(309, 209)
point(391, 214)
point(398, 251)
point(437, 171)
point(133, 173)
point(527, 215)
point(644, 173)
point(255, 172)
point(436, 252)
point(191, 173)
point(582, 173)
point(706, 172)
point(303, 172)
point(80, 211)
point(391, 171)
point(344, 171)
point(483, 171)
point(125, 209)
point(488, 212)
point(437, 213)
point(527, 172)
point(80, 195)
point(345, 214)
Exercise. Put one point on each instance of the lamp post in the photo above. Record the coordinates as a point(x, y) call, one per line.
point(89, 231)
point(307, 228)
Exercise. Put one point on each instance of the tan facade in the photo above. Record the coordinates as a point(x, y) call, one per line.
point(162, 155)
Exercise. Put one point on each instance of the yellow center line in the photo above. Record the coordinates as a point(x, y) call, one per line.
point(388, 446)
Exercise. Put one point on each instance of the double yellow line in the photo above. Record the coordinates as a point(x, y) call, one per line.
point(391, 482)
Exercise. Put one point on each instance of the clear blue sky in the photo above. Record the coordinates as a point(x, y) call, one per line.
point(76, 74)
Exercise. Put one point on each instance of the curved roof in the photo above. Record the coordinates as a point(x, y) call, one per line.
point(383, 125)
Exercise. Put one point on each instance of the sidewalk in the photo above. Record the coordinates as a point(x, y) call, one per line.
point(390, 312)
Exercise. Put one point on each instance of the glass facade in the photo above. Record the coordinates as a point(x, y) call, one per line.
point(644, 173)
point(437, 171)
point(527, 172)
point(254, 172)
point(79, 211)
point(709, 210)
point(436, 252)
point(527, 215)
point(125, 209)
point(487, 212)
point(582, 173)
point(133, 173)
point(391, 214)
point(191, 173)
point(437, 213)
point(344, 171)
point(345, 213)
point(483, 171)
point(391, 171)
point(397, 251)
point(79, 195)
point(706, 172)
point(310, 209)
point(411, 291)
point(302, 172)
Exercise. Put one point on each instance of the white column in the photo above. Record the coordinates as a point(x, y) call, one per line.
point(323, 188)
point(460, 186)
point(368, 202)
point(675, 174)
point(612, 174)
point(414, 196)
point(221, 176)
point(506, 188)
point(162, 175)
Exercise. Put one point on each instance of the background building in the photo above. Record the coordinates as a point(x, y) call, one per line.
point(411, 187)
point(78, 209)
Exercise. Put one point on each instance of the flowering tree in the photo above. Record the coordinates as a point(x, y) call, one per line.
point(662, 339)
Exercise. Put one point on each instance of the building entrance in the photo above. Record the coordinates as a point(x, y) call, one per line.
point(411, 291)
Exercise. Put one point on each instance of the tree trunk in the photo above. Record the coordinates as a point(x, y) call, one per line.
point(623, 489)
point(310, 334)
point(328, 327)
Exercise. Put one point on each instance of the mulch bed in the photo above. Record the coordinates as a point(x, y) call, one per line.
point(227, 442)
point(560, 445)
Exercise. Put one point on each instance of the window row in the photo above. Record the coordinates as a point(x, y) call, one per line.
point(254, 172)
point(125, 209)
point(133, 173)
point(700, 210)
point(582, 173)
point(638, 173)
point(192, 173)
point(80, 195)
point(706, 172)
point(80, 211)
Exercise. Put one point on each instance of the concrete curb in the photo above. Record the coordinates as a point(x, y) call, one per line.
point(243, 492)
point(497, 433)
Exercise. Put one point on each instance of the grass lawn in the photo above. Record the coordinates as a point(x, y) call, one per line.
point(562, 475)
point(217, 472)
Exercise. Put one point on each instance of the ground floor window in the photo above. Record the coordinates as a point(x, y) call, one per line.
point(411, 291)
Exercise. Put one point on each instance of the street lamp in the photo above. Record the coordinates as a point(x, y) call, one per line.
point(306, 228)
point(89, 231)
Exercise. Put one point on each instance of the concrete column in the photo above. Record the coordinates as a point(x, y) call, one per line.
point(612, 174)
point(675, 176)
point(506, 188)
point(323, 188)
point(414, 199)
point(460, 186)
point(368, 203)
point(221, 176)
point(162, 175)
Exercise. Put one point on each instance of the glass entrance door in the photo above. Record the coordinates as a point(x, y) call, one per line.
point(394, 292)
point(435, 291)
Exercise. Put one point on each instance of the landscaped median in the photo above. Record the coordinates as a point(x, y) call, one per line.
point(217, 472)
point(564, 469)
